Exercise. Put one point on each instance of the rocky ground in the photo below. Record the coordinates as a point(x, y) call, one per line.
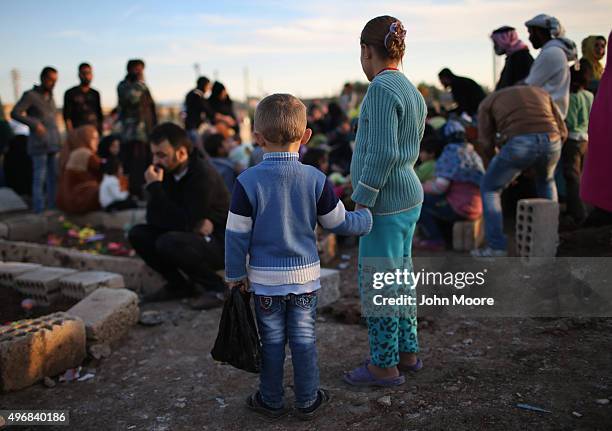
point(476, 372)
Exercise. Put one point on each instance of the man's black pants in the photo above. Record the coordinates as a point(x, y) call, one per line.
point(173, 254)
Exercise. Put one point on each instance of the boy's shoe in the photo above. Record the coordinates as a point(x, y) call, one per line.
point(361, 376)
point(309, 413)
point(256, 404)
point(488, 252)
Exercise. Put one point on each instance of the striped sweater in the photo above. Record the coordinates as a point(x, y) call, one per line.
point(273, 215)
point(391, 126)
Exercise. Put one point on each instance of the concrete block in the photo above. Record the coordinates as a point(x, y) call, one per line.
point(10, 201)
point(42, 284)
point(137, 275)
point(29, 227)
point(108, 314)
point(35, 348)
point(537, 228)
point(468, 234)
point(81, 284)
point(10, 270)
point(330, 287)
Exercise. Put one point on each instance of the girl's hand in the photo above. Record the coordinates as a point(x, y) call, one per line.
point(359, 206)
point(242, 284)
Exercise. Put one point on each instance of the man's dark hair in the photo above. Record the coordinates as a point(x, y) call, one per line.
point(202, 82)
point(111, 166)
point(446, 72)
point(504, 29)
point(83, 66)
point(133, 63)
point(175, 135)
point(212, 144)
point(314, 156)
point(46, 71)
point(578, 78)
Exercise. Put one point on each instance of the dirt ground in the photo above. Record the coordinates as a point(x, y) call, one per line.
point(476, 372)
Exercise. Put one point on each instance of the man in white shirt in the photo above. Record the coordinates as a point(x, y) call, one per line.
point(550, 70)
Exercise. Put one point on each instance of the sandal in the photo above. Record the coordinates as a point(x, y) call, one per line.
point(256, 404)
point(361, 376)
point(309, 413)
point(411, 368)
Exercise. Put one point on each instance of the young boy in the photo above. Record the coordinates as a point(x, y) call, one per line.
point(112, 197)
point(273, 215)
point(574, 149)
point(431, 148)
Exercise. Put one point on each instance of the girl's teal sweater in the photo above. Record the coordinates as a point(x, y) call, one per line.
point(391, 125)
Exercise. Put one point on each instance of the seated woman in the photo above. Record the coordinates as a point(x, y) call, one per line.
point(80, 172)
point(454, 192)
point(225, 120)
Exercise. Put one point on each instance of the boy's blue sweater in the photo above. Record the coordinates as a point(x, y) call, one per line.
point(273, 215)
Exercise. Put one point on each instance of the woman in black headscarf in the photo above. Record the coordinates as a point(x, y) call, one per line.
point(223, 107)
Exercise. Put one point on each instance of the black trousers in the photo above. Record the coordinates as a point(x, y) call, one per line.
point(136, 157)
point(177, 255)
point(126, 204)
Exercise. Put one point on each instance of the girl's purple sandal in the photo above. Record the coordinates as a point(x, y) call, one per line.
point(412, 368)
point(361, 376)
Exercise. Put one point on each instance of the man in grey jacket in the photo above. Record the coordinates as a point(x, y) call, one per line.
point(36, 109)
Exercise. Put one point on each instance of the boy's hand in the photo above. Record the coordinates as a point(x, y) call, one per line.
point(359, 207)
point(242, 284)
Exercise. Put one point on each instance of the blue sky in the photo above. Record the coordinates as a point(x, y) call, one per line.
point(306, 48)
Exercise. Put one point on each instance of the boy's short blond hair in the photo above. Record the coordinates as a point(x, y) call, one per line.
point(280, 119)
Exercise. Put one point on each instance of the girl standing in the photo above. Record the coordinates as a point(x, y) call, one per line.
point(390, 129)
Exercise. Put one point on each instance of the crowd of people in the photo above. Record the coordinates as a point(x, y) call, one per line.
point(545, 117)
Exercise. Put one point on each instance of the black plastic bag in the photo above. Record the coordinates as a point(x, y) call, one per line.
point(237, 342)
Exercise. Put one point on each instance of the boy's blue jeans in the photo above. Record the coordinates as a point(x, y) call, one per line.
point(288, 318)
point(519, 153)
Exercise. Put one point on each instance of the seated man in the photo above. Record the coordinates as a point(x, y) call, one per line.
point(187, 207)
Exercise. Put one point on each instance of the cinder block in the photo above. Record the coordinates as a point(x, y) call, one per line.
point(468, 234)
point(108, 314)
point(537, 228)
point(35, 348)
point(29, 227)
point(330, 287)
point(81, 284)
point(326, 245)
point(10, 270)
point(42, 284)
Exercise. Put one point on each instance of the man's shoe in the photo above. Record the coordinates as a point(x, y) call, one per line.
point(167, 293)
point(207, 300)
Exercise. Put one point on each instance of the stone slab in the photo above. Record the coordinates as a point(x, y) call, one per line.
point(136, 274)
point(42, 284)
point(36, 348)
point(81, 284)
point(11, 201)
point(27, 227)
point(108, 314)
